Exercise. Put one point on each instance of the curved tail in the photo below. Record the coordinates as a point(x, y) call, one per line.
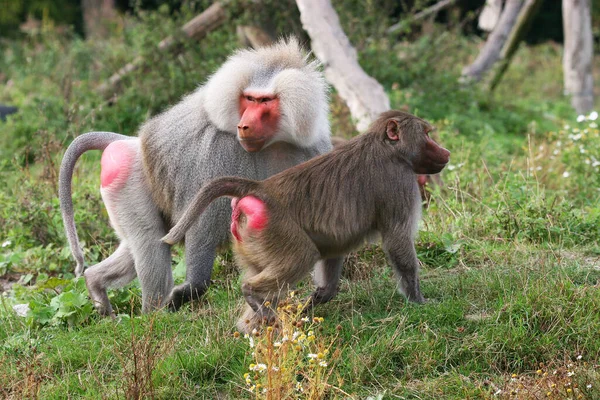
point(227, 186)
point(81, 144)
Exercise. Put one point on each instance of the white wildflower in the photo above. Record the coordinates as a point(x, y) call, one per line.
point(593, 116)
point(6, 243)
point(575, 137)
point(566, 174)
point(581, 118)
point(21, 309)
point(581, 150)
point(260, 367)
point(275, 368)
point(593, 125)
point(567, 127)
point(451, 167)
point(589, 386)
point(558, 143)
point(322, 364)
point(295, 335)
point(570, 373)
point(312, 355)
point(250, 340)
point(277, 344)
point(305, 319)
point(556, 152)
point(498, 392)
point(579, 357)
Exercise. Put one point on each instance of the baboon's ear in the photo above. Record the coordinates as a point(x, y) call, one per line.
point(393, 129)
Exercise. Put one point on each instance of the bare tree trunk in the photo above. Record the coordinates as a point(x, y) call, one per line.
point(578, 54)
point(488, 19)
point(517, 34)
point(96, 15)
point(196, 28)
point(364, 96)
point(490, 53)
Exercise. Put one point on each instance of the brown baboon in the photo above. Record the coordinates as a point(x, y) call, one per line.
point(326, 207)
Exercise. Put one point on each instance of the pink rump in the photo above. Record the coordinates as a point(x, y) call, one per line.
point(255, 211)
point(116, 162)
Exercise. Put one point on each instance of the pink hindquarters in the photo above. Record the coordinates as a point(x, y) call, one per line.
point(116, 164)
point(255, 211)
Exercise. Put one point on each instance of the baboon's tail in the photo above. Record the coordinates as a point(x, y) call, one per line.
point(225, 186)
point(81, 144)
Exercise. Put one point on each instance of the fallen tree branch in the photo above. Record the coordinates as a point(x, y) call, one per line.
point(195, 29)
point(420, 15)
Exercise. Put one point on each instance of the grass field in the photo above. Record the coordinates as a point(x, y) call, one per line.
point(509, 246)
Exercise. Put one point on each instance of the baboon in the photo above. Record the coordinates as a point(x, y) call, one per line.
point(263, 111)
point(326, 207)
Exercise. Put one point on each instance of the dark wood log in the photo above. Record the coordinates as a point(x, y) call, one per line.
point(253, 36)
point(195, 29)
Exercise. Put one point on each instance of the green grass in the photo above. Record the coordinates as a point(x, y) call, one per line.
point(510, 245)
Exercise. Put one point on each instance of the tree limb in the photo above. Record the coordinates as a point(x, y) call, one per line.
point(420, 15)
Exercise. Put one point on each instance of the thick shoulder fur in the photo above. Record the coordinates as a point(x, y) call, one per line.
point(283, 69)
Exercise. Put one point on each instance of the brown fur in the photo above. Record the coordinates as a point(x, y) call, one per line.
point(328, 206)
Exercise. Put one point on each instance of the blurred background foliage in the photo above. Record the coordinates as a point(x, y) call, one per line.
point(13, 13)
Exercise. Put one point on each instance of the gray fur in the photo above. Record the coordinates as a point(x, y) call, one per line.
point(192, 143)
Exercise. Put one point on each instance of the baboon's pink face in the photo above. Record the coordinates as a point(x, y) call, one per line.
point(259, 120)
